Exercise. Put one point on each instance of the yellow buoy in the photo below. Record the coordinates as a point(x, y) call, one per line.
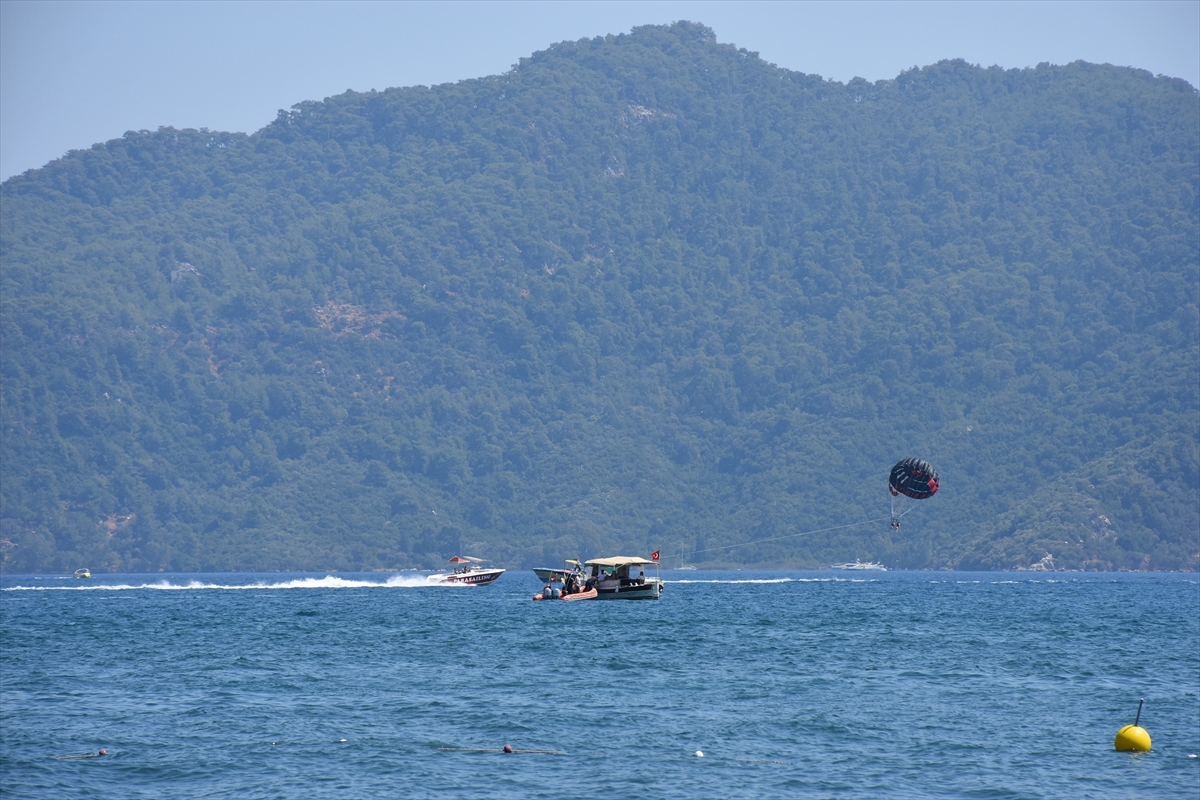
point(1131, 738)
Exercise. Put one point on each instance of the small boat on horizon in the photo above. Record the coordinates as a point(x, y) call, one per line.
point(83, 573)
point(470, 574)
point(873, 565)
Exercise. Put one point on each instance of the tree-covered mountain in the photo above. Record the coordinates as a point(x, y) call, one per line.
point(641, 292)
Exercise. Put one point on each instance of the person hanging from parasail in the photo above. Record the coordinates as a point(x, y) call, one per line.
point(914, 478)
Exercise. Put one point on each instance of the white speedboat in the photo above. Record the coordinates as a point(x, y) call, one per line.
point(624, 578)
point(83, 573)
point(468, 572)
point(875, 565)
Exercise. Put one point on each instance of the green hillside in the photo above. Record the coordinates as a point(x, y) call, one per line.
point(641, 292)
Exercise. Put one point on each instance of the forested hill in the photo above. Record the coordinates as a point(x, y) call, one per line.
point(641, 292)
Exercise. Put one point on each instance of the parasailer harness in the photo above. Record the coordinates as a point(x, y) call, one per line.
point(900, 507)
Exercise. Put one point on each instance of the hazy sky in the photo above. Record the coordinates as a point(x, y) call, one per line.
point(76, 73)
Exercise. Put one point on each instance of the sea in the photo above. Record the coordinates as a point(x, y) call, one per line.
point(735, 684)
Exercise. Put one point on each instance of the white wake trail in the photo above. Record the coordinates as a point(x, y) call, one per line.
point(326, 582)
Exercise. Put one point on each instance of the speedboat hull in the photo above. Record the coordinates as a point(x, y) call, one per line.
point(475, 577)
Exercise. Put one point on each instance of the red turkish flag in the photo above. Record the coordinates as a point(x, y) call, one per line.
point(654, 556)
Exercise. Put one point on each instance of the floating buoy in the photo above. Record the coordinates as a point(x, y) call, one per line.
point(1131, 738)
point(699, 754)
point(102, 753)
point(508, 748)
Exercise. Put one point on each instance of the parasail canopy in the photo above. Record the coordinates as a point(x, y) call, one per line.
point(913, 477)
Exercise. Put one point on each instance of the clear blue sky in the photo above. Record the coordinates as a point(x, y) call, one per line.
point(76, 73)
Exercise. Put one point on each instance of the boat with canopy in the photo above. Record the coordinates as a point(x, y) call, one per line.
point(624, 578)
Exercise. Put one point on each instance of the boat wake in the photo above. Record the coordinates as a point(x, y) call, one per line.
point(745, 580)
point(326, 582)
point(780, 580)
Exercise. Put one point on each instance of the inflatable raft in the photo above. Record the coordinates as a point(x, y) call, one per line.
point(590, 594)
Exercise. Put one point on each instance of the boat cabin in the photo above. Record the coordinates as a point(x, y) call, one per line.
point(624, 578)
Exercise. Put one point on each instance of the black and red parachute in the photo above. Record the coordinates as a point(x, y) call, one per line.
point(913, 477)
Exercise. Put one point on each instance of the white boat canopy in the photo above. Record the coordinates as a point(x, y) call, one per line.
point(618, 561)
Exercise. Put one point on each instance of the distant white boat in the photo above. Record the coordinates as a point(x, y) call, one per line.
point(875, 565)
point(83, 573)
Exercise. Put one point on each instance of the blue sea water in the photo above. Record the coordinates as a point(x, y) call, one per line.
point(792, 684)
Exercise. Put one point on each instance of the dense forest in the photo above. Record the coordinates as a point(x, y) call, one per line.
point(641, 292)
